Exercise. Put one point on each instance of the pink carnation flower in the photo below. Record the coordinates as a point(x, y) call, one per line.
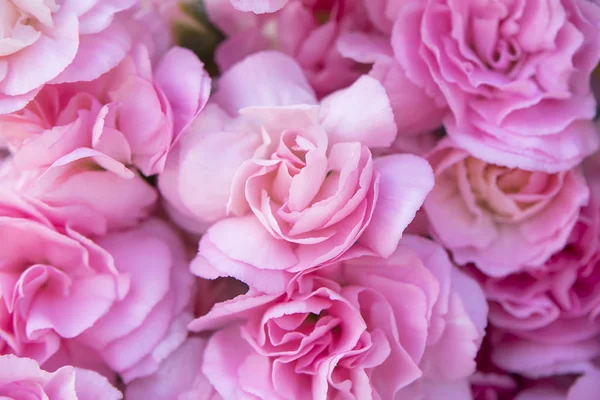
point(22, 378)
point(515, 75)
point(503, 220)
point(179, 377)
point(149, 322)
point(80, 143)
point(546, 320)
point(296, 177)
point(56, 41)
point(355, 339)
point(55, 282)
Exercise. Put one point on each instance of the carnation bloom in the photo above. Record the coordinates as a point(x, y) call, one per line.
point(546, 319)
point(515, 75)
point(77, 41)
point(55, 282)
point(179, 377)
point(149, 322)
point(501, 219)
point(22, 378)
point(355, 339)
point(296, 177)
point(80, 143)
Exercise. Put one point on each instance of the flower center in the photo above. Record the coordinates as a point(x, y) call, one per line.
point(494, 187)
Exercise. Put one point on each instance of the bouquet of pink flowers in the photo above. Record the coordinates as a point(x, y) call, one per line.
point(299, 199)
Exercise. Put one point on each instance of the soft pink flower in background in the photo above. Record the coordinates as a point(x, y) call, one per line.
point(55, 282)
point(80, 143)
point(179, 377)
point(353, 339)
point(515, 75)
point(149, 322)
point(297, 177)
point(77, 41)
point(22, 378)
point(503, 220)
point(547, 319)
point(306, 30)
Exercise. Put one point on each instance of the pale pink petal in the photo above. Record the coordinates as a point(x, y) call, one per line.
point(415, 112)
point(178, 375)
point(276, 81)
point(225, 353)
point(199, 173)
point(97, 54)
point(188, 94)
point(97, 189)
point(347, 117)
point(405, 181)
point(10, 104)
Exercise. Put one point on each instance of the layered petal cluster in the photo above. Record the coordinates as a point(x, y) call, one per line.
point(80, 143)
point(55, 282)
point(546, 319)
point(407, 327)
point(501, 219)
point(515, 75)
point(57, 41)
point(149, 322)
point(296, 177)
